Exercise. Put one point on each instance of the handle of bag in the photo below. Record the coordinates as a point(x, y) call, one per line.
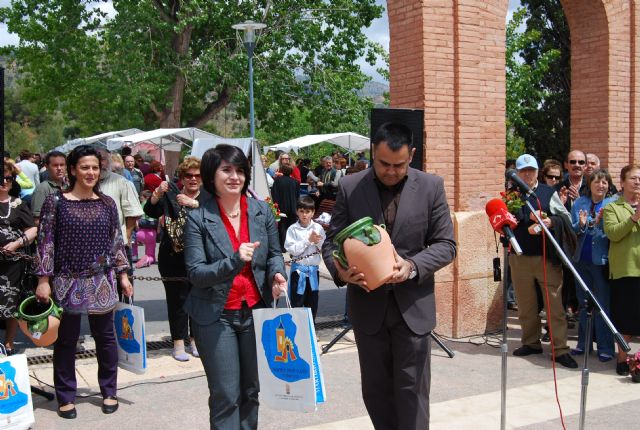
point(3, 349)
point(129, 302)
point(286, 296)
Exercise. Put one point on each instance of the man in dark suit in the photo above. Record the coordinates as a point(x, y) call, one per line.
point(392, 324)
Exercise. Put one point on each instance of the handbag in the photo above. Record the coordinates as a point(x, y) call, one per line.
point(16, 405)
point(175, 229)
point(128, 321)
point(289, 367)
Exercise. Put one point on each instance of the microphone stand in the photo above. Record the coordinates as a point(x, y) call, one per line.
point(504, 348)
point(590, 298)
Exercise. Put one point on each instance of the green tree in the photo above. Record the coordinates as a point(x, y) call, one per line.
point(173, 63)
point(539, 80)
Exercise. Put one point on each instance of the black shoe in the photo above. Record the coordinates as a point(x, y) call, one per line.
point(109, 409)
point(546, 338)
point(622, 368)
point(567, 361)
point(525, 350)
point(68, 415)
point(512, 306)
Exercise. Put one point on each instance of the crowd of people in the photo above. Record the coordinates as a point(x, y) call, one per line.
point(73, 228)
point(597, 227)
point(86, 216)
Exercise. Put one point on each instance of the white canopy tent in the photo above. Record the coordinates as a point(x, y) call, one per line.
point(350, 141)
point(168, 141)
point(258, 175)
point(98, 138)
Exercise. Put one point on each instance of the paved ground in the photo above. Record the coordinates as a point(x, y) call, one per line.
point(465, 391)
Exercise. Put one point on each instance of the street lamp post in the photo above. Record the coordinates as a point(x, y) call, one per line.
point(249, 28)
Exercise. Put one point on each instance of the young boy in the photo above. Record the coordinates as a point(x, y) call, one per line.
point(303, 242)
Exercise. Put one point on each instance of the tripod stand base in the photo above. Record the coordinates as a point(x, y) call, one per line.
point(340, 335)
point(41, 392)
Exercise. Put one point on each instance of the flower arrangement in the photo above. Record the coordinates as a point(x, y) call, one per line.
point(634, 366)
point(275, 209)
point(512, 200)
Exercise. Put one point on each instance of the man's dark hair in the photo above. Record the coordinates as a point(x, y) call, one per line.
point(286, 170)
point(395, 135)
point(51, 154)
point(125, 151)
point(305, 202)
point(212, 159)
point(25, 154)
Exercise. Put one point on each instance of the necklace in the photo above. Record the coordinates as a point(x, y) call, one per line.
point(8, 210)
point(234, 214)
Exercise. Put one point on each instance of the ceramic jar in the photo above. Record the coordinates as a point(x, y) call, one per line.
point(39, 321)
point(369, 248)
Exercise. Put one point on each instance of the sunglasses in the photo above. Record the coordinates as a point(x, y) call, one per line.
point(580, 162)
point(190, 176)
point(8, 178)
point(557, 178)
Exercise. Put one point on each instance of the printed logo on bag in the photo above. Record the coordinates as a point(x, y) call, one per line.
point(124, 331)
point(281, 351)
point(11, 398)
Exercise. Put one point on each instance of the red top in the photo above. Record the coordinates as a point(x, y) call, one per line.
point(296, 174)
point(244, 286)
point(152, 181)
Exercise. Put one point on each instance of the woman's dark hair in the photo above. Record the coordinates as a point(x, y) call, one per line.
point(212, 159)
point(596, 176)
point(72, 161)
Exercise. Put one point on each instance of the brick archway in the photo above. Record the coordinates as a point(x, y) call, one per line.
point(447, 57)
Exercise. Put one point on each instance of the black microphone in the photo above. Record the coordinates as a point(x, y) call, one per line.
point(512, 175)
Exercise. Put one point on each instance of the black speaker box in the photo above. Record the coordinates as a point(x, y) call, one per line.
point(412, 118)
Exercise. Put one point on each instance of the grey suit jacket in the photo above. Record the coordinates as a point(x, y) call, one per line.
point(422, 231)
point(212, 264)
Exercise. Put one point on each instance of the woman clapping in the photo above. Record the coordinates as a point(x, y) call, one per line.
point(621, 226)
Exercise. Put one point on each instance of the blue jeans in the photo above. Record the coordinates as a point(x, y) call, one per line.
point(596, 280)
point(228, 352)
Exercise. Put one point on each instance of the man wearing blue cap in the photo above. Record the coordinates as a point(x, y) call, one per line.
point(528, 268)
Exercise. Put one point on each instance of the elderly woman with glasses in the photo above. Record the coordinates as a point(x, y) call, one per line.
point(17, 231)
point(174, 203)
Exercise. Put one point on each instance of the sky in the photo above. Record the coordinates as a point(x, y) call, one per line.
point(378, 32)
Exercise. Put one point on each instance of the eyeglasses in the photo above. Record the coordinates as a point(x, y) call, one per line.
point(192, 176)
point(557, 178)
point(8, 178)
point(285, 158)
point(580, 162)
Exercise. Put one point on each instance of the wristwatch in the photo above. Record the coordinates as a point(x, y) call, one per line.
point(414, 271)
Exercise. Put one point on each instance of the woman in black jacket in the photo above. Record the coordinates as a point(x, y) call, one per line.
point(173, 203)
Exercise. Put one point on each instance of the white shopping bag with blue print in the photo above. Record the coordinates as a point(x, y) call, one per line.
point(289, 364)
point(128, 322)
point(16, 407)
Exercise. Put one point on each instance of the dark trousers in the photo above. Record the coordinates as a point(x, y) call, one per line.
point(176, 292)
point(228, 352)
point(395, 366)
point(309, 299)
point(64, 355)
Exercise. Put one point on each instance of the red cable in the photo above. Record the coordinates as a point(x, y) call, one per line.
point(546, 292)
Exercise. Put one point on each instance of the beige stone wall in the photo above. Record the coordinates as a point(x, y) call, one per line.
point(447, 57)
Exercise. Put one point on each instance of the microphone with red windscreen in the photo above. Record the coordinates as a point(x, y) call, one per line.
point(503, 222)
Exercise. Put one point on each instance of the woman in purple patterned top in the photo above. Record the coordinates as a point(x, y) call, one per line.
point(80, 253)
